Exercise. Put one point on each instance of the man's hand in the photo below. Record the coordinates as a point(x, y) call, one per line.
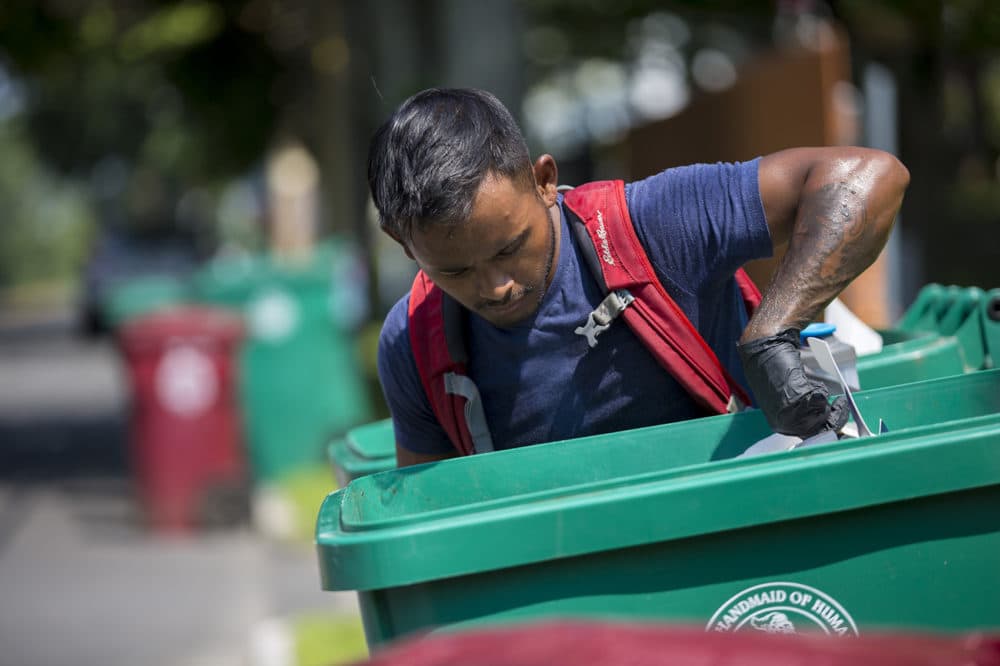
point(792, 403)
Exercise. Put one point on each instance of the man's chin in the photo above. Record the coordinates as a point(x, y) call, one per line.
point(511, 314)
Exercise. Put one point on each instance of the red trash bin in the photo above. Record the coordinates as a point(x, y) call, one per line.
point(603, 643)
point(186, 443)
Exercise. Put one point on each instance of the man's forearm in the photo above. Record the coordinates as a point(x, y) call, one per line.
point(842, 222)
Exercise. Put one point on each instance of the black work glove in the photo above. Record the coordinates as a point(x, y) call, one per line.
point(792, 403)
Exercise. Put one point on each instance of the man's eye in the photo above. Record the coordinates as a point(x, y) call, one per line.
point(511, 249)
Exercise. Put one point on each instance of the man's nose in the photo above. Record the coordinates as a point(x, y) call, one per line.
point(494, 284)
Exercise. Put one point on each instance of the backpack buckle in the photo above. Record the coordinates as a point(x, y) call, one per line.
point(604, 314)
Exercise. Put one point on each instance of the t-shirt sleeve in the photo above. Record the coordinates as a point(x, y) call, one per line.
point(701, 222)
point(416, 428)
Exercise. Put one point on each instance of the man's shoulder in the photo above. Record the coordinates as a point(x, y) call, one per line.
point(687, 175)
point(396, 338)
point(413, 305)
point(395, 326)
point(692, 192)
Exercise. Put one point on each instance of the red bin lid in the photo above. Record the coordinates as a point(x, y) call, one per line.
point(183, 322)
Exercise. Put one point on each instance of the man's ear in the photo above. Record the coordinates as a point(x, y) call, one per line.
point(546, 178)
point(406, 248)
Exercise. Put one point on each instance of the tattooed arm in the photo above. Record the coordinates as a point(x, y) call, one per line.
point(835, 208)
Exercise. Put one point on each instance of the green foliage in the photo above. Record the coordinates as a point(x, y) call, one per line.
point(990, 82)
point(600, 28)
point(328, 640)
point(304, 490)
point(180, 87)
point(172, 28)
point(963, 26)
point(47, 223)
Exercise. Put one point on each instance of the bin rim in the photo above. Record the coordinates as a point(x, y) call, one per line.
point(679, 431)
point(936, 459)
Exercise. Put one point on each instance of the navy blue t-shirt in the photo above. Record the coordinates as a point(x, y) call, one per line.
point(541, 382)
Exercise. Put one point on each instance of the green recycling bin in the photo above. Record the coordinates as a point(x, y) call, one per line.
point(924, 313)
point(666, 523)
point(947, 331)
point(364, 450)
point(301, 380)
point(990, 317)
point(911, 356)
point(141, 296)
point(939, 308)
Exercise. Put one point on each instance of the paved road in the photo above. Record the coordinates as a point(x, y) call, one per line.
point(81, 582)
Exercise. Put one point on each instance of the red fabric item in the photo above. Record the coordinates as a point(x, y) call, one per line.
point(430, 352)
point(610, 644)
point(654, 316)
point(749, 291)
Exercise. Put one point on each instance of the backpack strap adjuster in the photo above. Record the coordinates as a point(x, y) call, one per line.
point(604, 314)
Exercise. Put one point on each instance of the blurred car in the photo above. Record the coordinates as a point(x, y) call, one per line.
point(119, 258)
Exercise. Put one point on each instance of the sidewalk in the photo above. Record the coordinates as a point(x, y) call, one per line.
point(84, 585)
point(81, 581)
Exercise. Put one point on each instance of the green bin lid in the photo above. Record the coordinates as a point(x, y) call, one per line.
point(142, 296)
point(364, 450)
point(373, 441)
point(628, 489)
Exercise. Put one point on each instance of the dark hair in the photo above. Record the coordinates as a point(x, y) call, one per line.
point(426, 162)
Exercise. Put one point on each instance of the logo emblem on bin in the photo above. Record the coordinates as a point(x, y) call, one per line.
point(273, 316)
point(783, 608)
point(186, 381)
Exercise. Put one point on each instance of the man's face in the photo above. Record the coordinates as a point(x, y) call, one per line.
point(500, 261)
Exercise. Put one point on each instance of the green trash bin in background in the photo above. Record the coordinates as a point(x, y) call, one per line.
point(301, 382)
point(939, 308)
point(911, 356)
point(947, 331)
point(990, 316)
point(665, 523)
point(364, 450)
point(141, 296)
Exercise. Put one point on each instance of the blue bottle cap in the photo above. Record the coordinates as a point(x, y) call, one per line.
point(816, 330)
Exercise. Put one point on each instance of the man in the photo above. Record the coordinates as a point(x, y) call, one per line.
point(453, 183)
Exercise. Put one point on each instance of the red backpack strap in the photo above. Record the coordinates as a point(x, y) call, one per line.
point(439, 353)
point(748, 290)
point(653, 316)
